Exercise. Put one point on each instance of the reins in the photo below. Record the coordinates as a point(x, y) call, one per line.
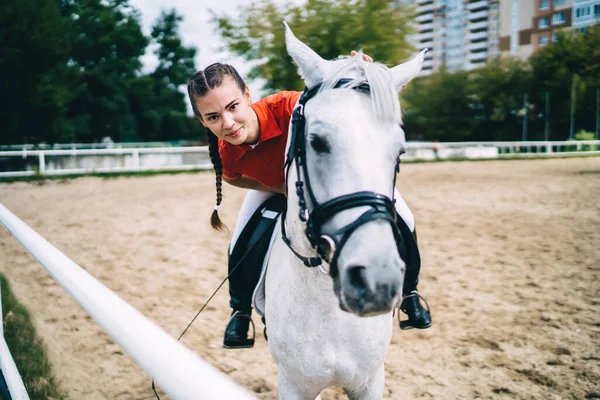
point(260, 241)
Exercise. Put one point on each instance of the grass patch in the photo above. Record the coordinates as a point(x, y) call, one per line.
point(26, 348)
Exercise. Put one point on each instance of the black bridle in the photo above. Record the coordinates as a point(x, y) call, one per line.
point(381, 207)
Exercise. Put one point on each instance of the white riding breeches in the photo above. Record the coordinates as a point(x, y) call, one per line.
point(255, 198)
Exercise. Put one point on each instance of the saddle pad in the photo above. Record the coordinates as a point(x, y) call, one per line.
point(258, 298)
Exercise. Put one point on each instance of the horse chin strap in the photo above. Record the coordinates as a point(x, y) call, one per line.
point(328, 247)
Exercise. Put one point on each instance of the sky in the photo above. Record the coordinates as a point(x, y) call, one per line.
point(197, 30)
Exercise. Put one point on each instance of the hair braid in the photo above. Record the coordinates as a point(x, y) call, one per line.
point(198, 85)
point(215, 158)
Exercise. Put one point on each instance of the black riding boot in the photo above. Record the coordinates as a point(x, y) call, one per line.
point(418, 316)
point(236, 333)
point(245, 262)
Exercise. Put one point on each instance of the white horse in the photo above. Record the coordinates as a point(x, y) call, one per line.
point(335, 332)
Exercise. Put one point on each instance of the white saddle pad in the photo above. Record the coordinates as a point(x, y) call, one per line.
point(258, 298)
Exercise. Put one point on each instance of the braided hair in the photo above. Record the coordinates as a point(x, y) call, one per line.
point(198, 85)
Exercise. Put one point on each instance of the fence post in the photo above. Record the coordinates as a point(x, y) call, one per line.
point(136, 159)
point(42, 158)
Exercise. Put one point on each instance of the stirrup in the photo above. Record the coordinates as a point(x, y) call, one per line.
point(404, 324)
point(244, 343)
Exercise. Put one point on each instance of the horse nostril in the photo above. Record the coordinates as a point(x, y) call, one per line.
point(357, 276)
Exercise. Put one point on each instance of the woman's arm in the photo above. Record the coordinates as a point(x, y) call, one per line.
point(248, 183)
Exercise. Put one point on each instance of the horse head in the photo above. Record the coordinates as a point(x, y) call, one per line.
point(345, 142)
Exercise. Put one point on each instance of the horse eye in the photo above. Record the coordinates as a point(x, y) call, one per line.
point(319, 144)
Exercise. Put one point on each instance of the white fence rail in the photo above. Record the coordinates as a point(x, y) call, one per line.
point(175, 368)
point(82, 161)
point(85, 161)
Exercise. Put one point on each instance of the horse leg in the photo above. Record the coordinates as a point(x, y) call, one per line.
point(371, 390)
point(289, 390)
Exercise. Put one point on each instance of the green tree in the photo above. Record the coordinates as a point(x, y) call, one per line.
point(330, 27)
point(107, 43)
point(439, 107)
point(553, 68)
point(497, 95)
point(36, 86)
point(157, 100)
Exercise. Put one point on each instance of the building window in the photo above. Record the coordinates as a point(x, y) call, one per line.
point(597, 10)
point(582, 12)
point(542, 40)
point(559, 2)
point(554, 37)
point(558, 19)
point(543, 4)
point(543, 23)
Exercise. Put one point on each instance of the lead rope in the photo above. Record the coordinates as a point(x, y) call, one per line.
point(211, 297)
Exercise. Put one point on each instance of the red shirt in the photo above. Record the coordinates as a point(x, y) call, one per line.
point(263, 162)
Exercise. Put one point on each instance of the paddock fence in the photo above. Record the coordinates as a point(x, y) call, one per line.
point(121, 159)
point(180, 372)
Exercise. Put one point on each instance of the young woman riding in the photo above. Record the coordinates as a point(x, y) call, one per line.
point(247, 143)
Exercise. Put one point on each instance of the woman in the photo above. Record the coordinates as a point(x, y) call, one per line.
point(247, 148)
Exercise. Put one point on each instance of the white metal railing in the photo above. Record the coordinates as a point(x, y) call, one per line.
point(171, 158)
point(505, 149)
point(9, 371)
point(130, 162)
point(78, 146)
point(177, 369)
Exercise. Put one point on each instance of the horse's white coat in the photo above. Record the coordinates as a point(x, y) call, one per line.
point(314, 343)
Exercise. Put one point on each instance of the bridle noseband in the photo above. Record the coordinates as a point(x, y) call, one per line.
point(381, 207)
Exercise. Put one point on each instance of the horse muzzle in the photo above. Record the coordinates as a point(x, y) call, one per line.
point(367, 291)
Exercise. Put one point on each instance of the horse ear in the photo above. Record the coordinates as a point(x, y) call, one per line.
point(310, 65)
point(404, 73)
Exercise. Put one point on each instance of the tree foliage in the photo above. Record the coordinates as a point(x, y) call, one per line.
point(74, 73)
point(36, 85)
point(488, 103)
point(159, 106)
point(330, 27)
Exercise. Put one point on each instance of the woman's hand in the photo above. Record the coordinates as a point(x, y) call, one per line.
point(365, 57)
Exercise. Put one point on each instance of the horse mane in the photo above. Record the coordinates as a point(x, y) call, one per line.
point(384, 97)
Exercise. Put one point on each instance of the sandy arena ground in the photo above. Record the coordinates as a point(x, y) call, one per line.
point(511, 268)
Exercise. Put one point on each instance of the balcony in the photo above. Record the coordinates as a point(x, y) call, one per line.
point(477, 5)
point(425, 18)
point(478, 25)
point(477, 46)
point(427, 64)
point(424, 1)
point(478, 57)
point(425, 9)
point(428, 36)
point(478, 36)
point(425, 27)
point(478, 15)
point(425, 45)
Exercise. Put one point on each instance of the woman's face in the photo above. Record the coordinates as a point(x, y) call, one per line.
point(226, 111)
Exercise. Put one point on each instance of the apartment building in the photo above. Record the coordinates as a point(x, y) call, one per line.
point(528, 25)
point(585, 13)
point(465, 34)
point(462, 34)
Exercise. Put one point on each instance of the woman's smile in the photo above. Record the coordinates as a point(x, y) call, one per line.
point(235, 133)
